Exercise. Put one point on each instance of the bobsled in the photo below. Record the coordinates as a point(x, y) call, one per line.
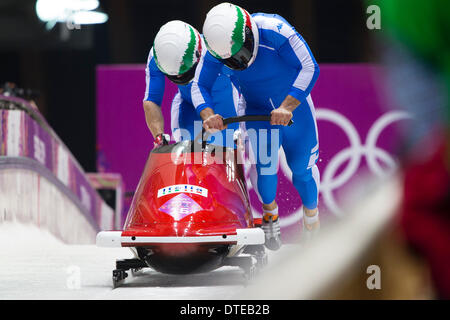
point(191, 212)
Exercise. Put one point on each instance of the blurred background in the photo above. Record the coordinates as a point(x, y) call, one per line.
point(60, 63)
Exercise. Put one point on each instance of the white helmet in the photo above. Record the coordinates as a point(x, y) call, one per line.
point(231, 35)
point(177, 49)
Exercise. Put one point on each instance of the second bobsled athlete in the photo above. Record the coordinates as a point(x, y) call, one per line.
point(177, 50)
point(276, 71)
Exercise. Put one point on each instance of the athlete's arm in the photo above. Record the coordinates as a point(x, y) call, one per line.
point(282, 114)
point(206, 74)
point(154, 118)
point(295, 51)
point(154, 92)
point(212, 121)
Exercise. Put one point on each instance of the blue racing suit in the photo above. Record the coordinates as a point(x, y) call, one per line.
point(224, 101)
point(284, 65)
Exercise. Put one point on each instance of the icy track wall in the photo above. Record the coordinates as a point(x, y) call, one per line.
point(40, 180)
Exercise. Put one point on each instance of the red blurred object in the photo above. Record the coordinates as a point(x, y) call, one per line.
point(190, 213)
point(426, 211)
point(214, 202)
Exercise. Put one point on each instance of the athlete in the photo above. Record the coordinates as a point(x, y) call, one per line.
point(276, 72)
point(177, 50)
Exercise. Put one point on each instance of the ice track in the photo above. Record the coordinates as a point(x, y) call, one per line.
point(36, 265)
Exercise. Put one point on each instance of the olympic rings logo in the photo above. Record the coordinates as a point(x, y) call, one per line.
point(353, 154)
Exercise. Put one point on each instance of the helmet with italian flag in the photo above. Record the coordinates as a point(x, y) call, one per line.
point(231, 35)
point(177, 50)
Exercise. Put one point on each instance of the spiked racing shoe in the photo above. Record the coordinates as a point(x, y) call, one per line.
point(271, 228)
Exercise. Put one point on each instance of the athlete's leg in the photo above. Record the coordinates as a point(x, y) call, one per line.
point(300, 144)
point(308, 188)
point(264, 144)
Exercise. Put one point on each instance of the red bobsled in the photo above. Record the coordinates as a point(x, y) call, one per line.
point(190, 213)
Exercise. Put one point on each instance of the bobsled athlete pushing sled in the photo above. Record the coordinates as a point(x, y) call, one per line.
point(191, 212)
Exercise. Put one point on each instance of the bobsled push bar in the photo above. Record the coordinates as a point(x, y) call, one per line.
point(245, 236)
point(250, 118)
point(204, 135)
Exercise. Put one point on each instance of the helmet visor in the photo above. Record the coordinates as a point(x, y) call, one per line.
point(184, 78)
point(240, 60)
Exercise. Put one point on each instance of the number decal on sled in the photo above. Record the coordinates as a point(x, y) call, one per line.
point(183, 188)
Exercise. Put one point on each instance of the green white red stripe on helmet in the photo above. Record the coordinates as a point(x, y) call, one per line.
point(238, 36)
point(176, 48)
point(189, 57)
point(224, 29)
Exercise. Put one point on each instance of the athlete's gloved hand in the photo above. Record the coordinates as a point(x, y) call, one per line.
point(280, 116)
point(161, 139)
point(213, 123)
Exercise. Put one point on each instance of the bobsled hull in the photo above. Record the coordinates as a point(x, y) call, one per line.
point(190, 208)
point(184, 194)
